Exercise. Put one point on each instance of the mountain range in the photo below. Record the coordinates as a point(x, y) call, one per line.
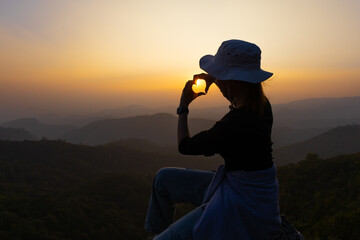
point(318, 112)
point(58, 190)
point(300, 127)
point(39, 129)
point(159, 128)
point(161, 125)
point(120, 132)
point(337, 141)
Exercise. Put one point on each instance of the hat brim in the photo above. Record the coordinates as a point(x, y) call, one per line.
point(223, 71)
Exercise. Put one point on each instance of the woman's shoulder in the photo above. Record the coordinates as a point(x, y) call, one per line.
point(239, 116)
point(235, 116)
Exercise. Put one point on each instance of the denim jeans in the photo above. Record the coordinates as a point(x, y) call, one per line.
point(171, 186)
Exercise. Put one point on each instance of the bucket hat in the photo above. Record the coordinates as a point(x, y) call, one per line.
point(235, 60)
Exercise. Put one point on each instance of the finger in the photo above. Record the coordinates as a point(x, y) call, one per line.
point(189, 83)
point(201, 76)
point(188, 86)
point(199, 94)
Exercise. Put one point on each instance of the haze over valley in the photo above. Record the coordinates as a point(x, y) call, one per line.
point(327, 127)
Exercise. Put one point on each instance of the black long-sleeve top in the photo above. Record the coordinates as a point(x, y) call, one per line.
point(241, 137)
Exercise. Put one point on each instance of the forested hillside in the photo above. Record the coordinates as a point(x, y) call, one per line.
point(321, 196)
point(57, 190)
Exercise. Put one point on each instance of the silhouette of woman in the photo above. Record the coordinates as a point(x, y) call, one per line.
point(239, 200)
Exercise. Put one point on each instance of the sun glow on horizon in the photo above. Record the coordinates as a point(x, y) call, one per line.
point(79, 53)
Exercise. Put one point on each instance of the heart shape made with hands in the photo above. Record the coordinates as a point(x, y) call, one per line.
point(199, 86)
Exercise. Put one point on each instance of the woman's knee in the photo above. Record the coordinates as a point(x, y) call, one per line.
point(165, 173)
point(164, 176)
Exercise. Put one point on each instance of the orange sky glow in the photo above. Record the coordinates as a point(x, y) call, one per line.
point(86, 56)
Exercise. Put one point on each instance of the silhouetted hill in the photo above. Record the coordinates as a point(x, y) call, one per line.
point(122, 112)
point(283, 136)
point(15, 134)
point(317, 112)
point(39, 129)
point(340, 140)
point(66, 158)
point(306, 113)
point(321, 196)
point(145, 145)
point(159, 128)
point(293, 122)
point(134, 110)
point(318, 108)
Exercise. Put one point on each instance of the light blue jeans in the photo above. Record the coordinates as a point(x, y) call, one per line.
point(171, 186)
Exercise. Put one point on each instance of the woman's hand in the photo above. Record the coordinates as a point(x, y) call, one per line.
point(188, 95)
point(208, 79)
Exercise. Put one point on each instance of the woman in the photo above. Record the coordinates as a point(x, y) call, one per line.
point(239, 201)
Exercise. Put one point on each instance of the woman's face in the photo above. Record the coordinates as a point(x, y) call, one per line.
point(224, 88)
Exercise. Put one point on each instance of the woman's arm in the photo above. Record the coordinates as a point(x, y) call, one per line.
point(187, 97)
point(183, 129)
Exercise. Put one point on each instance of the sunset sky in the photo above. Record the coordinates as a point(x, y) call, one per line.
point(87, 55)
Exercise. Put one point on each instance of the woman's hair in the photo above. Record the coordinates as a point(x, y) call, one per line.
point(250, 95)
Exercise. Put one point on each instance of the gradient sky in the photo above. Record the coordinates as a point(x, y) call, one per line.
point(85, 55)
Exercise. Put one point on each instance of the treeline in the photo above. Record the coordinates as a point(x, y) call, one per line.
point(321, 196)
point(55, 190)
point(105, 207)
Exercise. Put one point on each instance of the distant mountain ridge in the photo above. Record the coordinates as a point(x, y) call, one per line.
point(39, 129)
point(283, 136)
point(312, 108)
point(158, 128)
point(109, 130)
point(321, 108)
point(293, 122)
point(12, 134)
point(317, 112)
point(340, 140)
